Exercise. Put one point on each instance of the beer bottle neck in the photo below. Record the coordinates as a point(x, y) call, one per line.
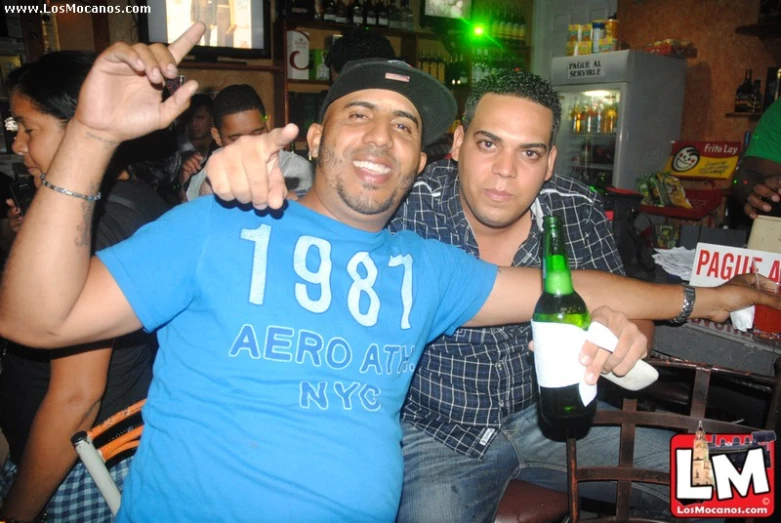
point(555, 266)
point(556, 276)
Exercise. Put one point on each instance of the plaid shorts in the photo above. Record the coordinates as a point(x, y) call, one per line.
point(77, 499)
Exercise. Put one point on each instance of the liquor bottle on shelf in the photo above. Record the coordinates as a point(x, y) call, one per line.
point(582, 113)
point(407, 17)
point(574, 118)
point(609, 117)
point(756, 97)
point(591, 119)
point(495, 28)
point(477, 67)
point(441, 76)
point(559, 319)
point(431, 64)
point(382, 14)
point(463, 75)
point(599, 107)
point(356, 12)
point(329, 12)
point(342, 12)
point(369, 13)
point(451, 71)
point(507, 26)
point(394, 15)
point(318, 10)
point(519, 29)
point(743, 95)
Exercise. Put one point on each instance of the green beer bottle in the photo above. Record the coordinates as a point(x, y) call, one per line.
point(558, 325)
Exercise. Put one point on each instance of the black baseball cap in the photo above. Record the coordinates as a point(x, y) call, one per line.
point(431, 98)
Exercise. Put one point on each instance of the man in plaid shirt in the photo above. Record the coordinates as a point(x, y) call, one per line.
point(470, 420)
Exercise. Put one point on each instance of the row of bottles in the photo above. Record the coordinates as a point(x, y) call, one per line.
point(486, 62)
point(502, 21)
point(394, 14)
point(453, 70)
point(596, 117)
point(748, 98)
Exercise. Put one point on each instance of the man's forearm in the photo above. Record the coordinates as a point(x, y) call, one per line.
point(48, 263)
point(517, 289)
point(636, 298)
point(640, 299)
point(76, 385)
point(48, 456)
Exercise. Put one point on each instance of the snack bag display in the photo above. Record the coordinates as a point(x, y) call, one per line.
point(662, 189)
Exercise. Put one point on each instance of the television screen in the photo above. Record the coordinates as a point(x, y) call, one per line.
point(239, 28)
point(455, 9)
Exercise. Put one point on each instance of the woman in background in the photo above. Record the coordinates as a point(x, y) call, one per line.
point(47, 396)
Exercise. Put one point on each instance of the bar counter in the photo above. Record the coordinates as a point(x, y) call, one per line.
point(717, 344)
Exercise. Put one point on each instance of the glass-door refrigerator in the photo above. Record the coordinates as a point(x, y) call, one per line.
point(621, 111)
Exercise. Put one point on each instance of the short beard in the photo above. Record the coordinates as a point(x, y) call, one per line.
point(363, 203)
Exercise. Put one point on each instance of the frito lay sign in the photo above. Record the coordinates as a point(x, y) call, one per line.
point(715, 264)
point(716, 160)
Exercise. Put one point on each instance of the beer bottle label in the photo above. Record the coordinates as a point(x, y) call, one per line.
point(557, 349)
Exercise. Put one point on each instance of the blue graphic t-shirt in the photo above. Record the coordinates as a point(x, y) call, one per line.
point(287, 345)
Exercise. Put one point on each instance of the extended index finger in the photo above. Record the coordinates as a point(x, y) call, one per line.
point(282, 136)
point(182, 45)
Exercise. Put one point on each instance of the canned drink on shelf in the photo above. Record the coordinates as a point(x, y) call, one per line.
point(611, 32)
point(597, 33)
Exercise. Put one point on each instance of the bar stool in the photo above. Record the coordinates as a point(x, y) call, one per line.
point(525, 502)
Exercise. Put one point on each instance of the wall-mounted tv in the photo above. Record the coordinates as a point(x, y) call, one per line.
point(234, 28)
point(447, 14)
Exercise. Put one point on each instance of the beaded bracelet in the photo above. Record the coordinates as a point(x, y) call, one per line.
point(62, 190)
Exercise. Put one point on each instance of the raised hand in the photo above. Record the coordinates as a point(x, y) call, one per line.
point(745, 290)
point(761, 195)
point(14, 215)
point(189, 167)
point(121, 97)
point(248, 170)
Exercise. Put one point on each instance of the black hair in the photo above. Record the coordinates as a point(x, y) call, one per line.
point(201, 100)
point(358, 43)
point(515, 83)
point(197, 101)
point(53, 82)
point(235, 99)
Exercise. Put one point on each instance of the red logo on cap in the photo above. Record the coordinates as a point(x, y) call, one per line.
point(397, 77)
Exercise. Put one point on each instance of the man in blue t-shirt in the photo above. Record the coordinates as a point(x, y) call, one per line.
point(287, 338)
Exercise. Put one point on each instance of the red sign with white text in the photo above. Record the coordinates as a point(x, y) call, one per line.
point(715, 264)
point(722, 475)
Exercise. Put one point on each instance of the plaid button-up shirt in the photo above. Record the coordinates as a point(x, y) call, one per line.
point(467, 383)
